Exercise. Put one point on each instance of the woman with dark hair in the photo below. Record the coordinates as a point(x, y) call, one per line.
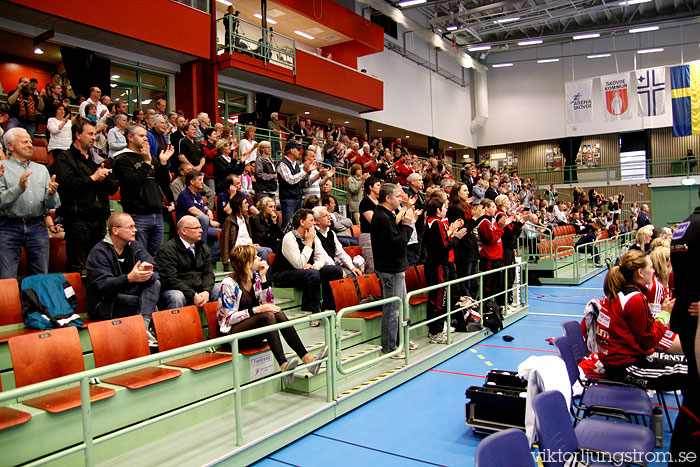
point(139, 118)
point(236, 231)
point(367, 208)
point(265, 229)
point(59, 128)
point(466, 252)
point(224, 164)
point(246, 303)
point(628, 332)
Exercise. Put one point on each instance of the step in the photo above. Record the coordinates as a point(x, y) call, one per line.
point(306, 382)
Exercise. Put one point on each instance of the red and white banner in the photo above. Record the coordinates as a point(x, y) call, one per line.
point(616, 97)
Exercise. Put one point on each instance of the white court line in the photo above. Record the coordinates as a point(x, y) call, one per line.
point(565, 288)
point(557, 314)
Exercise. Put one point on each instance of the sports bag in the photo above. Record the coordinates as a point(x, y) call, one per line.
point(48, 302)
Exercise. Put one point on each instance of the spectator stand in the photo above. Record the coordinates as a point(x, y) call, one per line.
point(236, 393)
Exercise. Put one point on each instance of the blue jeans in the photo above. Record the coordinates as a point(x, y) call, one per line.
point(176, 299)
point(149, 231)
point(394, 286)
point(348, 241)
point(33, 236)
point(14, 122)
point(289, 207)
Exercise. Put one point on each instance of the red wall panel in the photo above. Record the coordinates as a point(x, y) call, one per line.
point(161, 22)
point(13, 68)
point(339, 18)
point(327, 77)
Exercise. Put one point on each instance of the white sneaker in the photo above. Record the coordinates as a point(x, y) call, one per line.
point(400, 356)
point(440, 338)
point(412, 345)
point(314, 323)
point(150, 334)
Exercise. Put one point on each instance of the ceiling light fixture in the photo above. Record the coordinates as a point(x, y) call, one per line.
point(501, 65)
point(303, 34)
point(548, 60)
point(599, 56)
point(451, 28)
point(633, 2)
point(347, 123)
point(592, 35)
point(479, 47)
point(650, 51)
point(225, 2)
point(379, 129)
point(411, 3)
point(530, 42)
point(259, 16)
point(115, 76)
point(307, 112)
point(407, 136)
point(506, 20)
point(38, 51)
point(450, 147)
point(644, 29)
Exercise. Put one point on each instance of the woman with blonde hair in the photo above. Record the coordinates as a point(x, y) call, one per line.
point(628, 332)
point(246, 303)
point(658, 290)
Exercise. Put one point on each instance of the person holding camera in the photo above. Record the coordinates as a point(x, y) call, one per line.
point(25, 104)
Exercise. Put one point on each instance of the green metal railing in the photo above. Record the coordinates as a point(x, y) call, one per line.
point(89, 438)
point(655, 168)
point(519, 291)
point(255, 41)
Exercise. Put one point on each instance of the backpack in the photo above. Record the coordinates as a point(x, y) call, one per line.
point(48, 302)
point(492, 317)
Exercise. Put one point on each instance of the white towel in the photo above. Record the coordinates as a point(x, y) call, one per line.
point(544, 373)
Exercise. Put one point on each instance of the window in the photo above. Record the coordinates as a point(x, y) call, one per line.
point(231, 104)
point(139, 88)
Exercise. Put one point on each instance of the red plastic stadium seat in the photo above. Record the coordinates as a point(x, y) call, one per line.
point(77, 283)
point(353, 251)
point(45, 355)
point(180, 327)
point(41, 156)
point(355, 230)
point(123, 339)
point(413, 282)
point(57, 254)
point(11, 309)
point(213, 325)
point(344, 293)
point(271, 258)
point(41, 142)
point(10, 417)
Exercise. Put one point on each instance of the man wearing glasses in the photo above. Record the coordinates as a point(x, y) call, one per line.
point(121, 278)
point(185, 267)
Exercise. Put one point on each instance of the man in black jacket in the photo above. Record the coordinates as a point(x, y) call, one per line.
point(143, 180)
point(390, 235)
point(185, 267)
point(121, 278)
point(85, 185)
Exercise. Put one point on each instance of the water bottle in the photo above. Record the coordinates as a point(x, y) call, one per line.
point(657, 426)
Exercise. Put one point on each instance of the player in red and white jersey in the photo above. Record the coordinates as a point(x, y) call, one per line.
point(628, 332)
point(657, 291)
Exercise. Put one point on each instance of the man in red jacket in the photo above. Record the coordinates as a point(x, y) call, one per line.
point(490, 233)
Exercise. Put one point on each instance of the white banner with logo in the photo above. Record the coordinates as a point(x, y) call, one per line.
point(579, 101)
point(651, 91)
point(616, 100)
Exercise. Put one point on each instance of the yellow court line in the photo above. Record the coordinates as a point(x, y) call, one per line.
point(489, 363)
point(481, 357)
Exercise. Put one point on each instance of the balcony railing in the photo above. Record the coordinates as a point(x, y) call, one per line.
point(240, 36)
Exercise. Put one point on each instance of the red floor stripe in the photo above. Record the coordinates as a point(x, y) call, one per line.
point(455, 373)
point(516, 348)
point(661, 407)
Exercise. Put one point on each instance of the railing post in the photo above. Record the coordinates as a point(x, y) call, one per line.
point(449, 314)
point(86, 410)
point(237, 402)
point(330, 333)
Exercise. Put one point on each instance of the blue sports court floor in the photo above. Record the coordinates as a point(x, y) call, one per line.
point(422, 421)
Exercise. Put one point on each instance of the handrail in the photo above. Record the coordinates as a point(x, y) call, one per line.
point(271, 47)
point(522, 284)
point(360, 307)
point(84, 378)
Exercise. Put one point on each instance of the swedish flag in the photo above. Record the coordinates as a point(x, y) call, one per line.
point(685, 93)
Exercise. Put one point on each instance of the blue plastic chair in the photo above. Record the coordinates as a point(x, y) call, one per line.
point(611, 401)
point(572, 330)
point(559, 440)
point(507, 447)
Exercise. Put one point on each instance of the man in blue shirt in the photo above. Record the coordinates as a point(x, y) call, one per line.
point(27, 193)
point(190, 202)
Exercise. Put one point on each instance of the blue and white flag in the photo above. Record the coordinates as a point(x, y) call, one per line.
point(651, 91)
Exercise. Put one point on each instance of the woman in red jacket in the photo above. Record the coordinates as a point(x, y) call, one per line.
point(628, 332)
